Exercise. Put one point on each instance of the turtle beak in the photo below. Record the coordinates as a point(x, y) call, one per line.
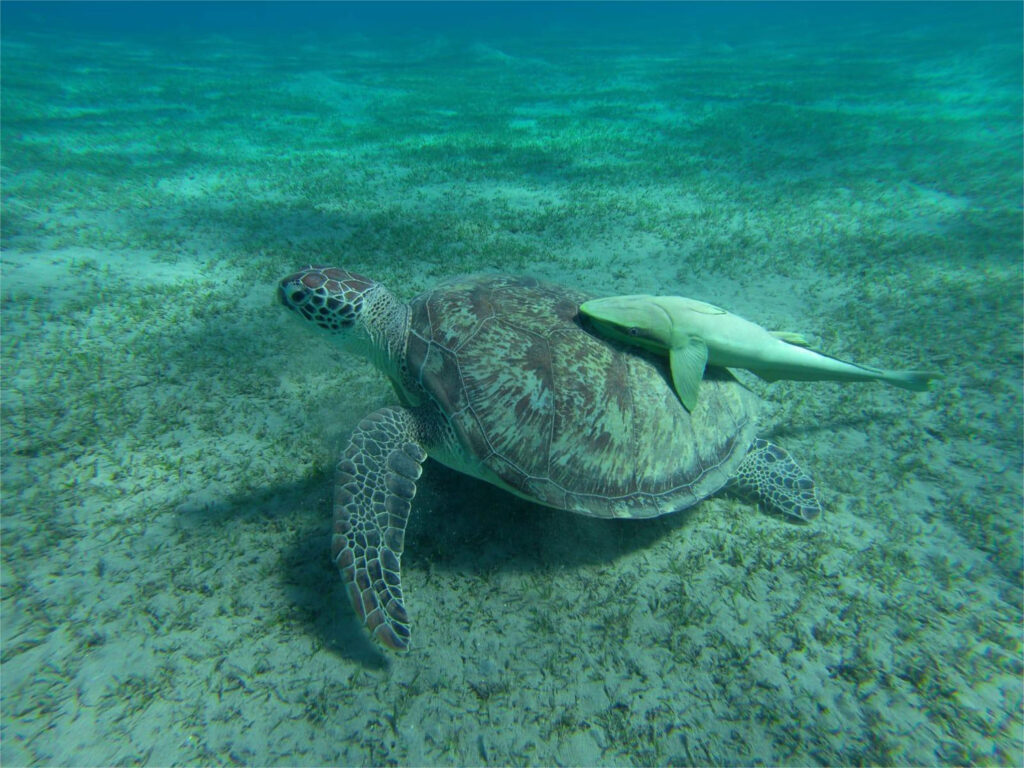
point(291, 293)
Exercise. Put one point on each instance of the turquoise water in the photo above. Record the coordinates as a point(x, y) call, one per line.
point(850, 172)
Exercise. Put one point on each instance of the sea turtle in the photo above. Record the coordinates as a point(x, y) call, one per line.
point(498, 378)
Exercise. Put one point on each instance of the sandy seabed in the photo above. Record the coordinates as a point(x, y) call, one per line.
point(169, 433)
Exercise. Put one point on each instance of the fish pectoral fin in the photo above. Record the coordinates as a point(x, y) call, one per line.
point(796, 339)
point(687, 362)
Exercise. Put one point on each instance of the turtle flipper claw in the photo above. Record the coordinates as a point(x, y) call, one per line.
point(374, 487)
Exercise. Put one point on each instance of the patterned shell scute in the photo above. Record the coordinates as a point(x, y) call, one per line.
point(563, 416)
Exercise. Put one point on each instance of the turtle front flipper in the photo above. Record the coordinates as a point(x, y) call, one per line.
point(770, 475)
point(374, 488)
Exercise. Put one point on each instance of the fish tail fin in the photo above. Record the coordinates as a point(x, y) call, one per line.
point(914, 380)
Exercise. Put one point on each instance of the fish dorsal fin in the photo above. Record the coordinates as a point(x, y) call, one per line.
point(687, 362)
point(702, 307)
point(796, 339)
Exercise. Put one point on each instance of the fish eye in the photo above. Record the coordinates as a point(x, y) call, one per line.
point(633, 331)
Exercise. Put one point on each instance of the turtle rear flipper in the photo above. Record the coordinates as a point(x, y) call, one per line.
point(374, 487)
point(770, 475)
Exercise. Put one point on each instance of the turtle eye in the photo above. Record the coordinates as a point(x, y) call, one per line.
point(292, 295)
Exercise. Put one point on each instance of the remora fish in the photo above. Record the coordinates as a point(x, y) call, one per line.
point(694, 334)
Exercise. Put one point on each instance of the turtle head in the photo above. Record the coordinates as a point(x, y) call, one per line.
point(332, 298)
point(358, 313)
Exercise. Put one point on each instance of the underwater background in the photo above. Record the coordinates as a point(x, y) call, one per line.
point(851, 172)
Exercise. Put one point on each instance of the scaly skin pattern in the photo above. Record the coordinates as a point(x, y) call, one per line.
point(374, 487)
point(770, 475)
